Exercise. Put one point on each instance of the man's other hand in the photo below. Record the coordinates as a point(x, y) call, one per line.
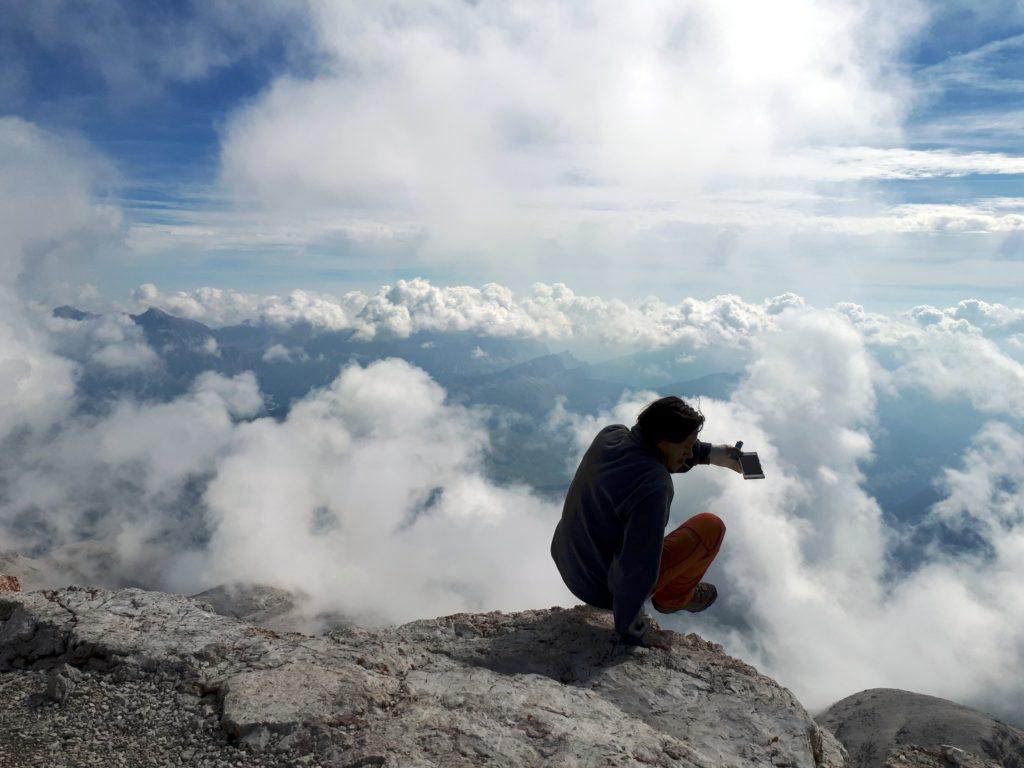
point(657, 638)
point(726, 456)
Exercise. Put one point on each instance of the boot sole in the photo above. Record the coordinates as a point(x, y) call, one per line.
point(686, 607)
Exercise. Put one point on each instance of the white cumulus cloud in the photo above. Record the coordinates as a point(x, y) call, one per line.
point(372, 486)
point(479, 122)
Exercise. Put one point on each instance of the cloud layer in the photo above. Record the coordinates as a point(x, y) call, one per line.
point(808, 589)
point(374, 486)
point(369, 497)
point(549, 312)
point(806, 564)
point(478, 123)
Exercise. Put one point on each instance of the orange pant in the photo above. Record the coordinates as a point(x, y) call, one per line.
point(686, 554)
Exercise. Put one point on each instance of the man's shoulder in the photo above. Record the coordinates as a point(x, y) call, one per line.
point(618, 443)
point(610, 435)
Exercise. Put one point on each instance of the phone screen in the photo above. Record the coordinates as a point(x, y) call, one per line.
point(751, 466)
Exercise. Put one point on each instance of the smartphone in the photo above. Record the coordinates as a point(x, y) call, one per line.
point(751, 466)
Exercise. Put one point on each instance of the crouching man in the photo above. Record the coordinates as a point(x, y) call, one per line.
point(609, 545)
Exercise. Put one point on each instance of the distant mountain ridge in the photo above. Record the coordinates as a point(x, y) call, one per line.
point(516, 373)
point(71, 313)
point(163, 328)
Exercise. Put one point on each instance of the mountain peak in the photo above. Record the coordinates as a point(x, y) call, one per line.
point(162, 328)
point(532, 688)
point(67, 312)
point(875, 722)
point(153, 313)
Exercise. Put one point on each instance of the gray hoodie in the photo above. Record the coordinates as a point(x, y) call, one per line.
point(607, 546)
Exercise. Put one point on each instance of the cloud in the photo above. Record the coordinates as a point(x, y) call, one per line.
point(126, 357)
point(967, 350)
point(56, 210)
point(36, 386)
point(1015, 346)
point(582, 426)
point(217, 306)
point(201, 490)
point(117, 494)
point(925, 348)
point(807, 592)
point(277, 353)
point(375, 485)
point(475, 123)
point(53, 218)
point(986, 129)
point(981, 68)
point(988, 317)
point(947, 362)
point(853, 163)
point(467, 135)
point(548, 312)
point(984, 495)
point(112, 341)
point(399, 470)
point(458, 128)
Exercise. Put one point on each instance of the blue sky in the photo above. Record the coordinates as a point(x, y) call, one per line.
point(843, 151)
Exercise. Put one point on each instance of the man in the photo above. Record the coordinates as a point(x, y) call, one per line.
point(608, 546)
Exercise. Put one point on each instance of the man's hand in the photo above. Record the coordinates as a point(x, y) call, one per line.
point(657, 638)
point(726, 456)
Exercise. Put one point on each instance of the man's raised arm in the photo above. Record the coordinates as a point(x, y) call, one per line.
point(727, 456)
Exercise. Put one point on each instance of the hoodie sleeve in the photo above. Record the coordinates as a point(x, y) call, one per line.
point(701, 455)
point(634, 568)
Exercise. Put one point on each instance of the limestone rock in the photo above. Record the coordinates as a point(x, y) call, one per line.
point(256, 603)
point(945, 756)
point(61, 681)
point(882, 726)
point(280, 698)
point(535, 688)
point(270, 607)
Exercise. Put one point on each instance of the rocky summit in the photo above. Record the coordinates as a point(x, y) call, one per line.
point(137, 678)
point(888, 727)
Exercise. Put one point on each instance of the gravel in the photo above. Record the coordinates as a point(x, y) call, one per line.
point(128, 724)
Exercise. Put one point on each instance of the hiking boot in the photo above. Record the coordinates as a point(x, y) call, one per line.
point(703, 596)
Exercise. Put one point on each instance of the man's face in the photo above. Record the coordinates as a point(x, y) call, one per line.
point(676, 454)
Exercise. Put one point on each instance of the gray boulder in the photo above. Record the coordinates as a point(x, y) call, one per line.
point(944, 756)
point(546, 687)
point(61, 681)
point(256, 603)
point(882, 726)
point(270, 607)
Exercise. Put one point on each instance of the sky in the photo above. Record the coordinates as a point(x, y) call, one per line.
point(847, 151)
point(821, 197)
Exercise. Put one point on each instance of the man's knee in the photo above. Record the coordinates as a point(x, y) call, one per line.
point(709, 527)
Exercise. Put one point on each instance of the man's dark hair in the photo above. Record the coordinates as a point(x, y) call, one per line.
point(669, 419)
